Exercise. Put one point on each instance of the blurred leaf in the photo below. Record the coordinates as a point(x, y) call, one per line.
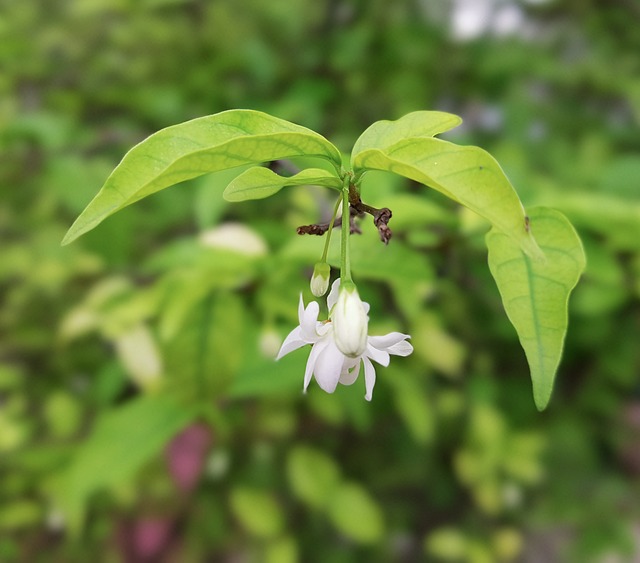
point(261, 377)
point(20, 514)
point(205, 354)
point(63, 414)
point(437, 346)
point(415, 408)
point(260, 182)
point(313, 475)
point(356, 514)
point(282, 550)
point(139, 354)
point(467, 175)
point(200, 146)
point(122, 440)
point(384, 134)
point(535, 294)
point(603, 288)
point(258, 511)
point(616, 219)
point(448, 544)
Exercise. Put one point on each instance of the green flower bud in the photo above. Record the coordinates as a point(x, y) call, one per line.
point(320, 279)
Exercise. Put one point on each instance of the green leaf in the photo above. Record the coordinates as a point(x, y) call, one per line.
point(384, 134)
point(260, 182)
point(535, 294)
point(203, 357)
point(468, 175)
point(355, 514)
point(258, 511)
point(313, 475)
point(200, 146)
point(121, 442)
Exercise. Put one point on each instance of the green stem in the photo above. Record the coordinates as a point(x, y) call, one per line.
point(333, 219)
point(345, 266)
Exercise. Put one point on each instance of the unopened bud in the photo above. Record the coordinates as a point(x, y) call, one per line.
point(320, 279)
point(350, 322)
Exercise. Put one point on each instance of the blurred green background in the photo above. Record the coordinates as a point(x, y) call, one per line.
point(142, 417)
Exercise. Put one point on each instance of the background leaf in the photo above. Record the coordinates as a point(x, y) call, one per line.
point(535, 294)
point(260, 182)
point(200, 146)
point(121, 442)
point(356, 514)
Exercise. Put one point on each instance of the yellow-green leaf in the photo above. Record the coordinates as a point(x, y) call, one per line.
point(260, 182)
point(384, 134)
point(535, 293)
point(468, 175)
point(200, 146)
point(356, 514)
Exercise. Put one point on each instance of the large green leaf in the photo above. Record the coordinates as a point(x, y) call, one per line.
point(200, 146)
point(260, 182)
point(535, 293)
point(121, 442)
point(384, 134)
point(468, 175)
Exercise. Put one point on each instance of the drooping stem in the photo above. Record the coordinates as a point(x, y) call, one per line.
point(333, 219)
point(345, 265)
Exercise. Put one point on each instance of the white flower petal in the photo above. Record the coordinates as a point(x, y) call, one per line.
point(300, 310)
point(369, 378)
point(384, 342)
point(316, 350)
point(292, 342)
point(379, 356)
point(332, 298)
point(328, 367)
point(350, 372)
point(400, 349)
point(309, 321)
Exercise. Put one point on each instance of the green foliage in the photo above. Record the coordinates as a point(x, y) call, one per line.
point(467, 175)
point(527, 276)
point(535, 294)
point(200, 146)
point(451, 452)
point(258, 183)
point(122, 441)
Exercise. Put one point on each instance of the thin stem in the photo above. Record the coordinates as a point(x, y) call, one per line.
point(345, 267)
point(333, 219)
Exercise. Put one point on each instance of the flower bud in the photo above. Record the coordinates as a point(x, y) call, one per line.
point(320, 279)
point(350, 322)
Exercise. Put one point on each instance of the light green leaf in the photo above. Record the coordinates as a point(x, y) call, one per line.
point(313, 475)
point(535, 294)
point(260, 182)
point(468, 175)
point(204, 356)
point(121, 442)
point(356, 514)
point(200, 146)
point(384, 134)
point(258, 511)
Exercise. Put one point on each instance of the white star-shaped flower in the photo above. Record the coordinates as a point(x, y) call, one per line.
point(326, 362)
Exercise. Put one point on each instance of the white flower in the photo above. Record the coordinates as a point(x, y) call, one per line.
point(349, 318)
point(326, 362)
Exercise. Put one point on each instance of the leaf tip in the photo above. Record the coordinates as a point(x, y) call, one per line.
point(542, 397)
